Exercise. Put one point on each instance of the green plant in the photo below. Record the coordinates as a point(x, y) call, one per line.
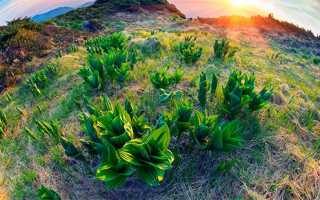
point(3, 122)
point(72, 48)
point(113, 170)
point(139, 123)
point(239, 94)
point(188, 51)
point(125, 143)
point(223, 50)
point(214, 85)
point(113, 123)
point(52, 132)
point(163, 79)
point(203, 127)
point(45, 193)
point(179, 120)
point(226, 136)
point(42, 78)
point(203, 90)
point(316, 60)
point(107, 61)
point(106, 43)
point(210, 133)
point(150, 155)
point(94, 74)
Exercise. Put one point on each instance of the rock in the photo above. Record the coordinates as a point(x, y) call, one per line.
point(302, 95)
point(278, 99)
point(151, 46)
point(285, 89)
point(92, 26)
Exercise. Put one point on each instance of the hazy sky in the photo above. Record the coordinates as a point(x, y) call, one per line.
point(305, 13)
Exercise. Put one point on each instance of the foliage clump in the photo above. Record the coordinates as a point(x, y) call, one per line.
point(223, 50)
point(239, 94)
point(45, 193)
point(42, 79)
point(163, 78)
point(127, 146)
point(188, 51)
point(108, 61)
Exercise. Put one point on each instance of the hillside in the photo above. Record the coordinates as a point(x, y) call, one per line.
point(134, 101)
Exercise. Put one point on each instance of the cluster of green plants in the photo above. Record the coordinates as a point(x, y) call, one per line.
point(240, 95)
point(126, 143)
point(223, 50)
point(104, 44)
point(188, 51)
point(108, 61)
point(163, 78)
point(72, 48)
point(42, 78)
point(220, 131)
point(50, 132)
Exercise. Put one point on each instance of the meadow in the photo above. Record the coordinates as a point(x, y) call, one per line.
point(155, 106)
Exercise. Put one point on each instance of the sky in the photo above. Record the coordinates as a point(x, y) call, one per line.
point(305, 13)
point(10, 9)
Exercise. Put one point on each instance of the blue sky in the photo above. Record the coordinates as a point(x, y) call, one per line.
point(305, 13)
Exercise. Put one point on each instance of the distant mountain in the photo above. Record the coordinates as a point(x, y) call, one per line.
point(51, 14)
point(57, 12)
point(87, 4)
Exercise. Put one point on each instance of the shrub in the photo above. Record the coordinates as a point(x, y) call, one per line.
point(163, 79)
point(223, 50)
point(42, 78)
point(188, 51)
point(18, 28)
point(239, 94)
point(316, 61)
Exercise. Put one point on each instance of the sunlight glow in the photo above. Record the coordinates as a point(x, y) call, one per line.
point(260, 4)
point(244, 2)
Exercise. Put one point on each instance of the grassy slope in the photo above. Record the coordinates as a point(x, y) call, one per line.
point(279, 162)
